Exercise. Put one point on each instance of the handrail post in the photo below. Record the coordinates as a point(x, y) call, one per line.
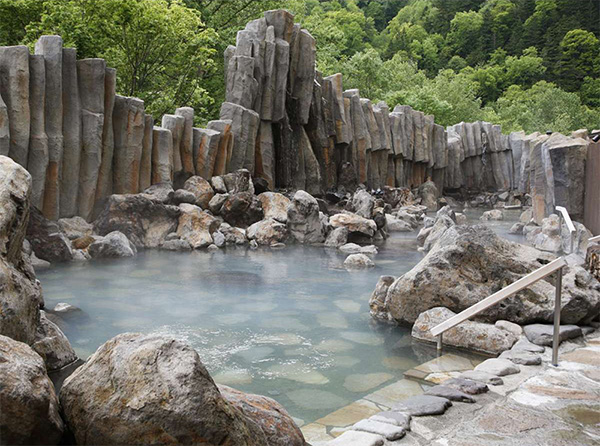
point(565, 218)
point(557, 304)
point(439, 342)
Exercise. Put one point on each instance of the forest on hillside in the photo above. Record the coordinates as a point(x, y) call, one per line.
point(530, 65)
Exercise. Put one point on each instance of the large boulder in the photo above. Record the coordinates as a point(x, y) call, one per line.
point(242, 209)
point(303, 220)
point(144, 219)
point(113, 245)
point(29, 408)
point(20, 292)
point(150, 389)
point(196, 226)
point(267, 232)
point(275, 205)
point(52, 345)
point(272, 418)
point(354, 223)
point(75, 227)
point(469, 263)
point(201, 189)
point(471, 335)
point(46, 238)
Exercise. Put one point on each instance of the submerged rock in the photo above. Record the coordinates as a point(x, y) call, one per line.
point(469, 263)
point(149, 389)
point(30, 408)
point(494, 214)
point(358, 261)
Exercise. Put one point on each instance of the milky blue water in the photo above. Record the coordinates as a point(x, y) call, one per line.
point(292, 323)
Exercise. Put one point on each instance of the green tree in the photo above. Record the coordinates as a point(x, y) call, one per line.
point(364, 71)
point(161, 49)
point(464, 38)
point(542, 107)
point(580, 50)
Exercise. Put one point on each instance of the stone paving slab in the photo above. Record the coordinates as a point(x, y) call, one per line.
point(541, 405)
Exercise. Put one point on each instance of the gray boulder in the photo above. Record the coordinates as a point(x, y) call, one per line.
point(395, 224)
point(303, 220)
point(541, 334)
point(267, 232)
point(429, 195)
point(20, 292)
point(46, 238)
point(75, 227)
point(52, 345)
point(149, 389)
point(184, 196)
point(355, 224)
point(143, 218)
point(469, 263)
point(30, 407)
point(363, 203)
point(471, 335)
point(113, 245)
point(233, 236)
point(336, 238)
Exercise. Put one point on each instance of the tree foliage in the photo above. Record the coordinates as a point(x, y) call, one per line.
point(513, 61)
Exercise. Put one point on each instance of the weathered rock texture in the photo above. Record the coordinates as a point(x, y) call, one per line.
point(30, 408)
point(469, 263)
point(281, 120)
point(147, 389)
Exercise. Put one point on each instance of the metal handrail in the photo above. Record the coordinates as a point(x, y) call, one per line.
point(594, 239)
point(553, 267)
point(564, 214)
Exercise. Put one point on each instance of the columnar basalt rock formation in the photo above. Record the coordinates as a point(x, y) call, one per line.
point(281, 120)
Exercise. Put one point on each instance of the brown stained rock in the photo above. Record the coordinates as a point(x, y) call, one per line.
point(201, 189)
point(196, 226)
point(145, 221)
point(273, 419)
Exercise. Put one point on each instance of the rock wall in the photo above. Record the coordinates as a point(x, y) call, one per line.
point(281, 120)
